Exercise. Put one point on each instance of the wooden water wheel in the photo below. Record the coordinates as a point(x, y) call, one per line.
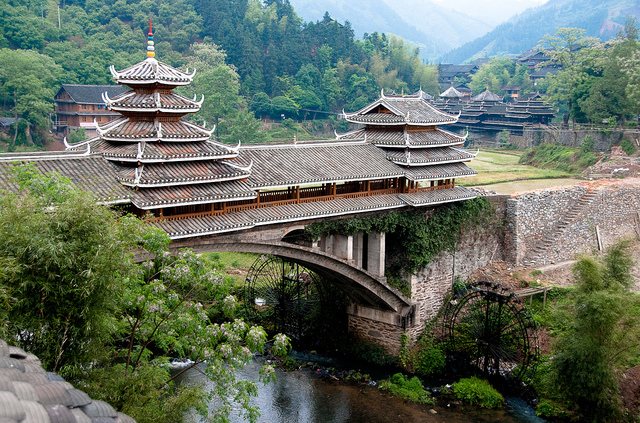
point(487, 327)
point(281, 295)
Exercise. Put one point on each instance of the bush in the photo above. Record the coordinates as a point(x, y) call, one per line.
point(551, 409)
point(409, 389)
point(429, 361)
point(77, 135)
point(479, 392)
point(143, 394)
point(628, 147)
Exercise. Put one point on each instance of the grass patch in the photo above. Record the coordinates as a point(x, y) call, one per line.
point(478, 392)
point(235, 265)
point(408, 389)
point(628, 147)
point(499, 166)
point(560, 158)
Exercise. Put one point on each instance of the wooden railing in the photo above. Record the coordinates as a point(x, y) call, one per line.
point(303, 195)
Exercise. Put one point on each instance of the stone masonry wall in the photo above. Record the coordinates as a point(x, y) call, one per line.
point(478, 246)
point(603, 140)
point(532, 215)
point(613, 210)
point(383, 334)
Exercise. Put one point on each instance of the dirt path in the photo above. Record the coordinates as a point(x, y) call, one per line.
point(520, 187)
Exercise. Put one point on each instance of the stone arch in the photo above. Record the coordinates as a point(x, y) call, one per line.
point(366, 288)
point(296, 235)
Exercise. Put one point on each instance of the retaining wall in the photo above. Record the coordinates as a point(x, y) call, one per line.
point(478, 246)
point(521, 223)
point(612, 215)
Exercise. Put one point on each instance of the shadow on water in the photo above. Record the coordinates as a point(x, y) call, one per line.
point(301, 396)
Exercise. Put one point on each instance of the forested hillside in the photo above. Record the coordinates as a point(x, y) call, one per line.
point(436, 29)
point(253, 58)
point(600, 18)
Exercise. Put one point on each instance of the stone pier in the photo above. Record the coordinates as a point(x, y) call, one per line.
point(366, 251)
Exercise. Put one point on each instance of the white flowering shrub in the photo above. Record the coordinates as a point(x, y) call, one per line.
point(179, 306)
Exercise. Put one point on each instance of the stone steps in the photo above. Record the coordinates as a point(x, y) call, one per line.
point(543, 246)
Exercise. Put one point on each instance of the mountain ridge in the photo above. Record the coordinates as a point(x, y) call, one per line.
point(452, 28)
point(600, 18)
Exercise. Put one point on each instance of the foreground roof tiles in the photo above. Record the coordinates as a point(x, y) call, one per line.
point(28, 394)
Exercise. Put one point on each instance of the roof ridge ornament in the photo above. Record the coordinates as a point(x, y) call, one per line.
point(141, 146)
point(241, 168)
point(151, 49)
point(114, 72)
point(99, 130)
point(138, 174)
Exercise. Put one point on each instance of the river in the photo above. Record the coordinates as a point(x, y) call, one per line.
point(302, 396)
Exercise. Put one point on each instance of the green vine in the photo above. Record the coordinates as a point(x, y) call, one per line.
point(414, 238)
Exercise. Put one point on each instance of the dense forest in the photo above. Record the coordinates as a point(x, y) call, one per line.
point(254, 58)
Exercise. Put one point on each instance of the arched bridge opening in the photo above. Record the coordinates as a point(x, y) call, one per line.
point(374, 306)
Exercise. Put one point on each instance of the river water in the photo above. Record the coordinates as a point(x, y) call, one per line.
point(302, 396)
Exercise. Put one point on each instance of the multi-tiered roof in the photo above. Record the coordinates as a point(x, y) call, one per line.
point(487, 111)
point(168, 159)
point(155, 162)
point(408, 129)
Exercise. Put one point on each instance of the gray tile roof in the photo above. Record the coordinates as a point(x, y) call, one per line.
point(245, 219)
point(160, 152)
point(7, 121)
point(299, 164)
point(487, 95)
point(430, 155)
point(91, 173)
point(127, 129)
point(440, 196)
point(441, 171)
point(91, 94)
point(151, 71)
point(150, 198)
point(451, 92)
point(180, 173)
point(401, 110)
point(28, 394)
point(391, 138)
point(166, 102)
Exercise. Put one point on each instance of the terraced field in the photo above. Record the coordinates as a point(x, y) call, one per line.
point(502, 168)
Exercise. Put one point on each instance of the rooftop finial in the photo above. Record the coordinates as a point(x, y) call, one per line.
point(151, 50)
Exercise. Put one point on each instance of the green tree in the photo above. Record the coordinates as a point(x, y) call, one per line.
point(28, 83)
point(601, 336)
point(497, 73)
point(607, 96)
point(75, 297)
point(68, 256)
point(579, 59)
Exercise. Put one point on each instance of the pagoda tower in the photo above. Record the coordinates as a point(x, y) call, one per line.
point(407, 127)
point(172, 163)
